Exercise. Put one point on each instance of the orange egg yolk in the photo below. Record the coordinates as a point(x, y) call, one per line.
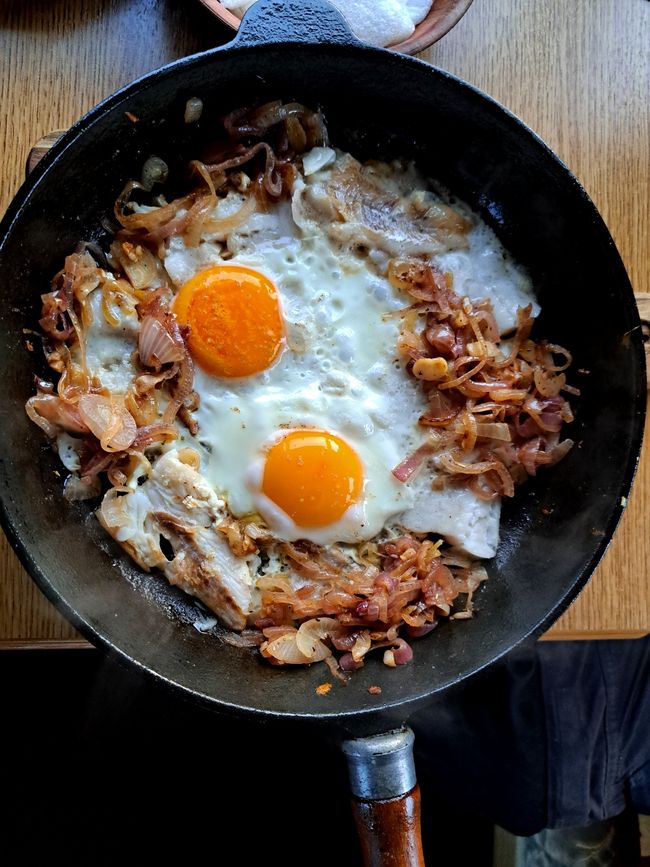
point(313, 476)
point(236, 325)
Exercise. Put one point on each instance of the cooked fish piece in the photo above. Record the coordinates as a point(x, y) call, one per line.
point(380, 206)
point(457, 514)
point(170, 523)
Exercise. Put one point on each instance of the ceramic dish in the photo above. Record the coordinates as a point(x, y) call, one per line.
point(443, 15)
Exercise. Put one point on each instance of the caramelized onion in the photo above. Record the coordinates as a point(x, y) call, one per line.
point(284, 650)
point(453, 383)
point(138, 263)
point(348, 663)
point(225, 225)
point(55, 320)
point(554, 349)
point(156, 346)
point(257, 122)
point(109, 420)
point(494, 431)
point(152, 222)
point(452, 465)
point(52, 415)
point(310, 635)
point(410, 465)
point(153, 433)
point(442, 338)
point(549, 384)
point(421, 631)
point(402, 652)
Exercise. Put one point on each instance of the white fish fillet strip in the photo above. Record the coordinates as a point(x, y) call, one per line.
point(176, 503)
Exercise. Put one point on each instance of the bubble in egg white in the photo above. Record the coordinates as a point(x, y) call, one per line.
point(334, 327)
point(338, 372)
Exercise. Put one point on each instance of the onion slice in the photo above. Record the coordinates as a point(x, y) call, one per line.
point(284, 650)
point(52, 415)
point(309, 638)
point(410, 465)
point(494, 431)
point(156, 346)
point(109, 420)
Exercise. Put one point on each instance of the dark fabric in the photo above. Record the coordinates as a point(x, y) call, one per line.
point(481, 748)
point(597, 701)
point(555, 736)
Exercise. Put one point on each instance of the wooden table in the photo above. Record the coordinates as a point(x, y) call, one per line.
point(577, 72)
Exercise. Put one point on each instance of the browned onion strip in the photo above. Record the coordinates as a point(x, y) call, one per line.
point(272, 181)
point(225, 225)
point(153, 433)
point(410, 465)
point(524, 327)
point(53, 415)
point(470, 431)
point(146, 220)
point(453, 383)
point(494, 430)
point(201, 210)
point(182, 378)
point(54, 321)
point(139, 264)
point(449, 463)
point(508, 395)
point(109, 420)
point(256, 122)
point(485, 317)
point(554, 349)
point(548, 384)
point(480, 486)
point(547, 421)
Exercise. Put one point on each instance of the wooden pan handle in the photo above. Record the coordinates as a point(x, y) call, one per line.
point(389, 831)
point(386, 799)
point(41, 147)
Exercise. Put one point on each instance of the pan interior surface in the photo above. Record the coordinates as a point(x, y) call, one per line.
point(376, 105)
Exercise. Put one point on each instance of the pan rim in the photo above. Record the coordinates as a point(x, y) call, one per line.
point(407, 705)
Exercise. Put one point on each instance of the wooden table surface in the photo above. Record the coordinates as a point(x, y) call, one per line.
point(577, 72)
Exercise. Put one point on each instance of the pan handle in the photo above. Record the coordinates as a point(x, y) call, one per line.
point(386, 799)
point(307, 21)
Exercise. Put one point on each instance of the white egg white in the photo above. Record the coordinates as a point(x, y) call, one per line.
point(339, 370)
point(110, 348)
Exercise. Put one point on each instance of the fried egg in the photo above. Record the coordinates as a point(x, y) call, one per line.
point(297, 417)
point(305, 407)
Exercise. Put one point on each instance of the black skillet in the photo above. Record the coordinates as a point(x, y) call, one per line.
point(377, 104)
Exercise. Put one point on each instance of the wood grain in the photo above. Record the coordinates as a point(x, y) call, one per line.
point(643, 303)
point(389, 831)
point(578, 73)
